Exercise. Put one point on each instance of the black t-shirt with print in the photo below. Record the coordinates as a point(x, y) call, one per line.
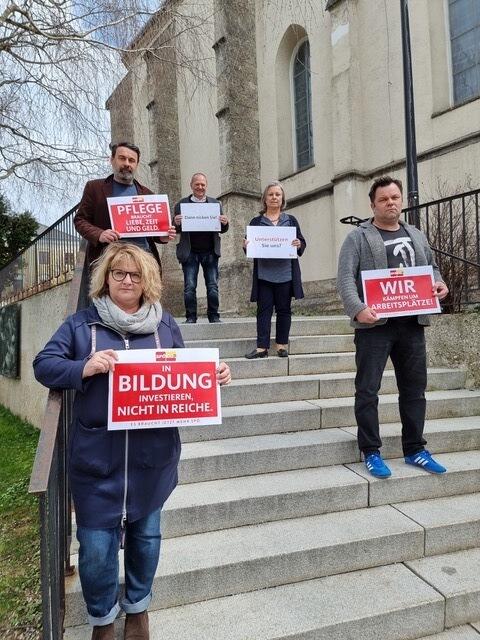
point(399, 248)
point(400, 253)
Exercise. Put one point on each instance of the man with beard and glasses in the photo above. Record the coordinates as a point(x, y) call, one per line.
point(92, 220)
point(386, 242)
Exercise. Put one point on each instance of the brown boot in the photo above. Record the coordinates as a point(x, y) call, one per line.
point(104, 633)
point(136, 626)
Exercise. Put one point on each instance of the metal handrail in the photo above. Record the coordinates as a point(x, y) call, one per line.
point(453, 223)
point(48, 261)
point(49, 482)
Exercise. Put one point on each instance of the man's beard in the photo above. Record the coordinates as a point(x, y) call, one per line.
point(124, 175)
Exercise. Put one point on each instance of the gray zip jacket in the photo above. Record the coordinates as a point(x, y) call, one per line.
point(363, 249)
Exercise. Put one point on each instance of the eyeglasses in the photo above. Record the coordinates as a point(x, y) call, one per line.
point(119, 275)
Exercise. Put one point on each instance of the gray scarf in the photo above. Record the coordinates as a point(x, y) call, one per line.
point(143, 321)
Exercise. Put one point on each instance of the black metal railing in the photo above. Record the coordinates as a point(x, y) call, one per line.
point(48, 261)
point(452, 227)
point(49, 481)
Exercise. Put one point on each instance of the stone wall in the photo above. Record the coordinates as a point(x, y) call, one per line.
point(454, 341)
point(41, 315)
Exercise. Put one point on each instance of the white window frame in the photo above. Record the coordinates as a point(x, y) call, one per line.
point(451, 80)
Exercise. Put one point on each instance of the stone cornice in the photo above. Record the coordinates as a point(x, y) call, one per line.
point(428, 154)
point(252, 195)
point(310, 196)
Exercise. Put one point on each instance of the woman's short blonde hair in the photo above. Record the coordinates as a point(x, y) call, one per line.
point(113, 256)
point(273, 183)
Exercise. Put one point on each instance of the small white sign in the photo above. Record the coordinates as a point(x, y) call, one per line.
point(200, 216)
point(268, 241)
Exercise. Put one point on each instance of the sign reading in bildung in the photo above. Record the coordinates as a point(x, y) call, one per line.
point(164, 388)
point(400, 292)
point(200, 216)
point(139, 216)
point(267, 241)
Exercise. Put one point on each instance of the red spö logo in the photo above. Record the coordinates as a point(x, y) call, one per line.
point(165, 356)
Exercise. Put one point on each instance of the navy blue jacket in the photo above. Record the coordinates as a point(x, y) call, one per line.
point(96, 456)
point(297, 289)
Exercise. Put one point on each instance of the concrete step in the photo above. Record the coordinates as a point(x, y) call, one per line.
point(409, 483)
point(211, 565)
point(280, 417)
point(251, 455)
point(465, 632)
point(390, 602)
point(234, 502)
point(456, 576)
point(450, 524)
point(307, 364)
point(235, 457)
point(234, 328)
point(323, 385)
point(238, 347)
point(444, 435)
point(440, 404)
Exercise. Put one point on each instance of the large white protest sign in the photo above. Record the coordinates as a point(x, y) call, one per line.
point(268, 241)
point(200, 216)
point(164, 388)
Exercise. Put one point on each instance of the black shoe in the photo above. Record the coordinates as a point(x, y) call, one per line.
point(282, 353)
point(214, 320)
point(190, 321)
point(256, 354)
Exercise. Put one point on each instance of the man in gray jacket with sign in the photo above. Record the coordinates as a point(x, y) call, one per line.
point(385, 242)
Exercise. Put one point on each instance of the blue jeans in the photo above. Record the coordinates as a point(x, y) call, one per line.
point(98, 568)
point(209, 262)
point(404, 341)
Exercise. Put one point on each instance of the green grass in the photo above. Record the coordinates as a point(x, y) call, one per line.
point(20, 598)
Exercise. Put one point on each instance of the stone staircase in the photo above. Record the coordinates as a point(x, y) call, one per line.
point(277, 531)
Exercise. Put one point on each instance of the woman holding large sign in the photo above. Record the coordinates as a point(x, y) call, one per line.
point(119, 479)
point(275, 280)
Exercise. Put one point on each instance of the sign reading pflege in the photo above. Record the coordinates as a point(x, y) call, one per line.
point(139, 216)
point(267, 241)
point(200, 216)
point(164, 388)
point(400, 292)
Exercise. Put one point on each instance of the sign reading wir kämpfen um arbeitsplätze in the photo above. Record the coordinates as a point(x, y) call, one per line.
point(151, 388)
point(400, 292)
point(139, 216)
point(267, 241)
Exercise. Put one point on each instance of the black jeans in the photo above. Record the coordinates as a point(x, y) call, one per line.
point(404, 341)
point(209, 262)
point(278, 295)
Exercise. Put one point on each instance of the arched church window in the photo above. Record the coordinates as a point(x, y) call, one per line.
point(302, 105)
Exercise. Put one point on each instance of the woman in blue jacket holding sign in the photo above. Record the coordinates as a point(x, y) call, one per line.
point(275, 280)
point(119, 479)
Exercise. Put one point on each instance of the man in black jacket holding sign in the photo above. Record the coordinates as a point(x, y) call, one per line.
point(199, 248)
